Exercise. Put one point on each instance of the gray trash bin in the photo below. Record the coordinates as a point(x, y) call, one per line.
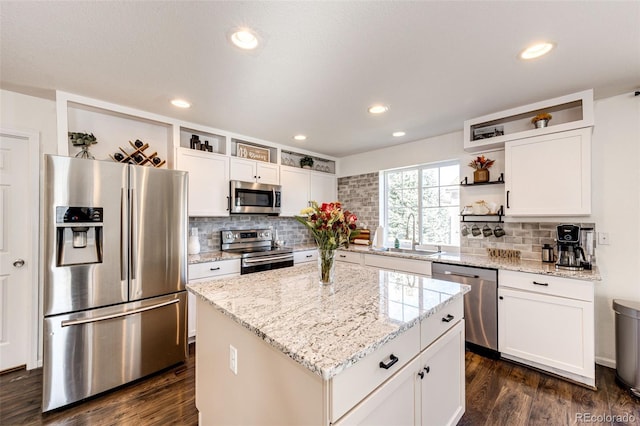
point(628, 344)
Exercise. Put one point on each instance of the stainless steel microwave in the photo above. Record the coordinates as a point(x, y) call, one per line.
point(254, 198)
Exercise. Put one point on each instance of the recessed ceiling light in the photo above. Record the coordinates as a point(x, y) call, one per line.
point(536, 50)
point(378, 109)
point(245, 39)
point(398, 134)
point(300, 137)
point(180, 103)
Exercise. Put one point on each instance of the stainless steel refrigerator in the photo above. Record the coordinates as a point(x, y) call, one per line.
point(114, 275)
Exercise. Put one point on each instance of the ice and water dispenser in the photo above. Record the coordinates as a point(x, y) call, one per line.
point(78, 235)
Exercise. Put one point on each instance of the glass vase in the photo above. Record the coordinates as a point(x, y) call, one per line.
point(326, 265)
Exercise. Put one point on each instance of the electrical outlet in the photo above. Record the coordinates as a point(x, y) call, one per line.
point(603, 238)
point(233, 359)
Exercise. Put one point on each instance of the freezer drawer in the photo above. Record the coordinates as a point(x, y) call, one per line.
point(89, 352)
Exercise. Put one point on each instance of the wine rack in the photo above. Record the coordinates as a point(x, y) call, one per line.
point(138, 156)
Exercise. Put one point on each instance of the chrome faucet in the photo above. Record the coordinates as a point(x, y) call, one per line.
point(413, 231)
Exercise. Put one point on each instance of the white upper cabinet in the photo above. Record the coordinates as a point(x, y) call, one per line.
point(323, 187)
point(254, 171)
point(295, 190)
point(208, 181)
point(300, 186)
point(549, 175)
point(570, 112)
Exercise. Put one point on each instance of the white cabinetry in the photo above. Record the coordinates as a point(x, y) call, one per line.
point(299, 186)
point(549, 175)
point(574, 111)
point(429, 390)
point(349, 256)
point(442, 367)
point(548, 323)
point(305, 256)
point(254, 171)
point(201, 272)
point(208, 181)
point(323, 187)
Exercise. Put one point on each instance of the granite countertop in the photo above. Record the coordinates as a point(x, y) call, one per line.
point(328, 328)
point(520, 265)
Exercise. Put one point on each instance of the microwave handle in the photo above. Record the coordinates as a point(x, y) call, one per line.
point(228, 203)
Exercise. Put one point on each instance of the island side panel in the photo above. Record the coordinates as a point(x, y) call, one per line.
point(269, 389)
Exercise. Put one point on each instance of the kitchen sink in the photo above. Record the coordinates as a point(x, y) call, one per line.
point(419, 252)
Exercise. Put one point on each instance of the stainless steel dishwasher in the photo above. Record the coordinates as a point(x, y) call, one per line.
point(480, 304)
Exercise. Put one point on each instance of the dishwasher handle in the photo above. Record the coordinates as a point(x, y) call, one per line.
point(458, 274)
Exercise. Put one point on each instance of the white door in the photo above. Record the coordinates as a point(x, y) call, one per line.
point(18, 250)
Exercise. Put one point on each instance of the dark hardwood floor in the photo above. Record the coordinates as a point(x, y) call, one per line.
point(498, 393)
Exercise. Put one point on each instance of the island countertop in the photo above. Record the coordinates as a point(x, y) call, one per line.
point(328, 328)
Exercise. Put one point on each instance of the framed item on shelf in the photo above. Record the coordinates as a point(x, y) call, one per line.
point(488, 132)
point(253, 152)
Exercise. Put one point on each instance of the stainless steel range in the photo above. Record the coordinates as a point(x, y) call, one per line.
point(256, 249)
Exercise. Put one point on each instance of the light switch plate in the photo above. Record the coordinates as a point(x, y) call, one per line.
point(603, 238)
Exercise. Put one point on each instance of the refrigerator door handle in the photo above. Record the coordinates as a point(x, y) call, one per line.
point(133, 231)
point(123, 236)
point(80, 321)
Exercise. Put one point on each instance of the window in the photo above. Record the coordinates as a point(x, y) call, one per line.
point(428, 195)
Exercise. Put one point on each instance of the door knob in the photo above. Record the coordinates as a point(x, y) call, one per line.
point(18, 263)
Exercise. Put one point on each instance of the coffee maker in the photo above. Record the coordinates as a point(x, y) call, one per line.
point(570, 254)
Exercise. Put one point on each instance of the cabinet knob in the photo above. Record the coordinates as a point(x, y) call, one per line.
point(448, 318)
point(427, 369)
point(501, 298)
point(421, 374)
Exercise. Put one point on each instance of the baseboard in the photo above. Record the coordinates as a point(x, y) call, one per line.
point(607, 362)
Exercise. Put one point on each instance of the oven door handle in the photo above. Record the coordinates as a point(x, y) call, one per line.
point(267, 259)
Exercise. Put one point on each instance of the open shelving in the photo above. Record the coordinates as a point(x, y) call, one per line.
point(292, 159)
point(498, 181)
point(491, 131)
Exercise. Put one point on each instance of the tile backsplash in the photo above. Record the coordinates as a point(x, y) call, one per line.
point(360, 195)
point(528, 237)
point(289, 229)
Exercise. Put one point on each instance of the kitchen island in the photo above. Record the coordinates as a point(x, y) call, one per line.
point(277, 348)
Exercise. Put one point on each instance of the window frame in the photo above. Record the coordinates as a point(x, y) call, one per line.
point(419, 217)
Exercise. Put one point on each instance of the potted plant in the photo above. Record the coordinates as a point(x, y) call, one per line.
point(306, 162)
point(83, 140)
point(481, 167)
point(541, 120)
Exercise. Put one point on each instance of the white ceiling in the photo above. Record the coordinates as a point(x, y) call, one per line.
point(321, 64)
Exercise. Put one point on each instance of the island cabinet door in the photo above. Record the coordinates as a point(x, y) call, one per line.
point(393, 403)
point(441, 380)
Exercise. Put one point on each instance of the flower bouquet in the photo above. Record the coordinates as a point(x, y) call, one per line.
point(331, 227)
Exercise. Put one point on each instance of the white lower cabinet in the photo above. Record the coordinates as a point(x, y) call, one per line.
point(442, 366)
point(206, 271)
point(349, 256)
point(429, 390)
point(548, 323)
point(305, 256)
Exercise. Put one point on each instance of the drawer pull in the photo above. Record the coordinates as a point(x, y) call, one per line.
point(448, 318)
point(343, 255)
point(544, 284)
point(392, 360)
point(424, 371)
point(214, 269)
point(309, 255)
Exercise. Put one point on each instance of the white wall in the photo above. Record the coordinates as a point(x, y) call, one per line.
point(28, 113)
point(615, 198)
point(616, 210)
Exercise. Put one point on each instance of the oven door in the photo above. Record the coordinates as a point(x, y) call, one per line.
point(254, 198)
point(265, 263)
